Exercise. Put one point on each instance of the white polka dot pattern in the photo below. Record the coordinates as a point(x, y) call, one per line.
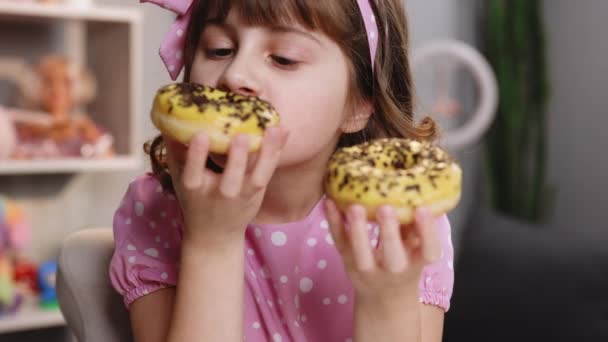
point(296, 282)
point(371, 28)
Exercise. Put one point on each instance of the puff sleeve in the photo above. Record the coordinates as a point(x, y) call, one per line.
point(437, 279)
point(147, 237)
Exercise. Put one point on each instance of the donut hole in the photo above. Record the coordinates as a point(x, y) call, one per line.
point(399, 172)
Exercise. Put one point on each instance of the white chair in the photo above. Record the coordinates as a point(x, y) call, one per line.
point(93, 310)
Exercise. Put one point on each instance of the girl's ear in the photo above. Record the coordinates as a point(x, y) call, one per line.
point(358, 118)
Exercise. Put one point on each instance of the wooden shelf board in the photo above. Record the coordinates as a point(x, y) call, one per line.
point(66, 11)
point(31, 318)
point(120, 163)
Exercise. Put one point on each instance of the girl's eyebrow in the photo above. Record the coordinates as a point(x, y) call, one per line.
point(287, 29)
point(274, 29)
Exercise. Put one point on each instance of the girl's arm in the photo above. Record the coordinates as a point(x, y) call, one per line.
point(207, 305)
point(398, 320)
point(216, 210)
point(209, 298)
point(431, 323)
point(151, 315)
point(393, 280)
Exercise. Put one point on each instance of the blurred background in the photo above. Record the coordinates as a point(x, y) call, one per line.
point(517, 86)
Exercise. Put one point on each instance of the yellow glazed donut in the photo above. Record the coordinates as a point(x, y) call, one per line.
point(182, 110)
point(404, 173)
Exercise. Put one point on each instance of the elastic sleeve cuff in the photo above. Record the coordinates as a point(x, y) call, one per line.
point(435, 298)
point(130, 296)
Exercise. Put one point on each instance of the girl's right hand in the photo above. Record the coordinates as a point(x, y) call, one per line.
point(217, 208)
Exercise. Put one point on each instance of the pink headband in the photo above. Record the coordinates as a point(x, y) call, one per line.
point(172, 47)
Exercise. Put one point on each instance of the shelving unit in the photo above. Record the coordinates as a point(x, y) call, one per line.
point(31, 318)
point(22, 10)
point(107, 40)
point(75, 165)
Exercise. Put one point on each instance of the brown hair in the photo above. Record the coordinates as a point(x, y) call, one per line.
point(391, 88)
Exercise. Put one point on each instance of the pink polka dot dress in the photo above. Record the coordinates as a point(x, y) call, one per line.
point(296, 287)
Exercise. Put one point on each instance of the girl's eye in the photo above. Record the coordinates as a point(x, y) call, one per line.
point(284, 62)
point(219, 53)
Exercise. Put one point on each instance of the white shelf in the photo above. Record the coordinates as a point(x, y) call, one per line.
point(19, 167)
point(107, 40)
point(68, 11)
point(31, 318)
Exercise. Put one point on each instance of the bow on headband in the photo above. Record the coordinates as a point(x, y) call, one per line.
point(171, 49)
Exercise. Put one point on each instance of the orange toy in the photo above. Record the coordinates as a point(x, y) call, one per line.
point(48, 117)
point(58, 96)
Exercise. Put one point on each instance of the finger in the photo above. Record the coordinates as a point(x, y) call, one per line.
point(272, 144)
point(359, 238)
point(427, 229)
point(234, 174)
point(336, 226)
point(394, 256)
point(196, 157)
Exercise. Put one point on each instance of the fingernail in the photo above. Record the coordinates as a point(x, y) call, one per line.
point(284, 137)
point(351, 214)
point(273, 131)
point(386, 212)
point(423, 214)
point(357, 213)
point(242, 140)
point(199, 141)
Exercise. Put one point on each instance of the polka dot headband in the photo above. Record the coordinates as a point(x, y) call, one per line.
point(171, 49)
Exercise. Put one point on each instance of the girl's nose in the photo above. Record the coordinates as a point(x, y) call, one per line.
point(240, 77)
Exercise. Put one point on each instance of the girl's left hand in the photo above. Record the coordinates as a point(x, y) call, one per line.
point(393, 269)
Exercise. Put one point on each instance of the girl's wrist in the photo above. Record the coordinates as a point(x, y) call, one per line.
point(382, 318)
point(202, 247)
point(388, 303)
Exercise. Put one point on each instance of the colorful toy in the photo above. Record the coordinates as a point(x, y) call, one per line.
point(8, 135)
point(47, 274)
point(26, 276)
point(14, 234)
point(14, 227)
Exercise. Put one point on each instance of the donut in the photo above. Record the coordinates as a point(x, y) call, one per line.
point(181, 110)
point(404, 173)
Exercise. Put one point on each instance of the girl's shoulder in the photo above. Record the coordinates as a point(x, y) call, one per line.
point(147, 239)
point(148, 186)
point(146, 210)
point(146, 197)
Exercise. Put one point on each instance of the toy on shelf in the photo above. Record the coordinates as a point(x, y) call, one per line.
point(47, 275)
point(8, 136)
point(10, 300)
point(48, 119)
point(26, 276)
point(14, 235)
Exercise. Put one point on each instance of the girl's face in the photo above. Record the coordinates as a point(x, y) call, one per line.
point(302, 73)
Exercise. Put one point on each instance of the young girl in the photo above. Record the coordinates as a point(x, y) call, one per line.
point(247, 246)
